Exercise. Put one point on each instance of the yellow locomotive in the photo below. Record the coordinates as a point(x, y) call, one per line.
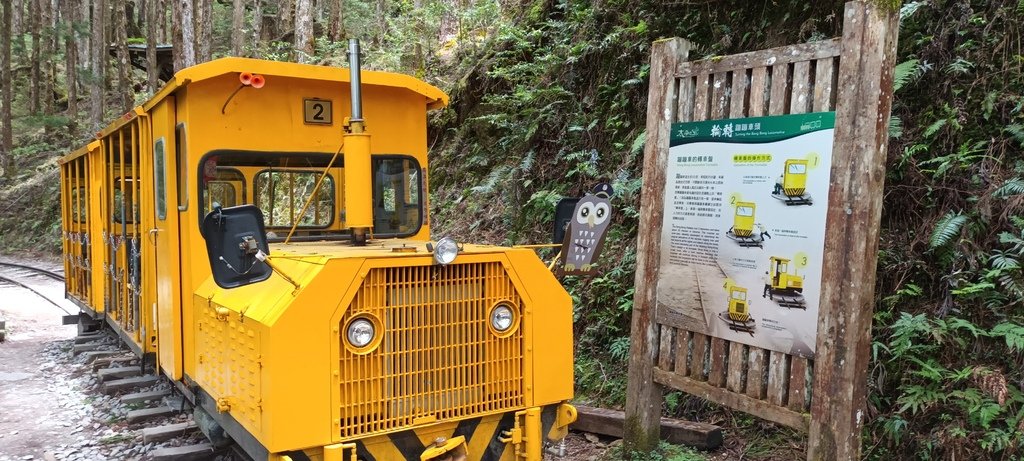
point(254, 243)
point(783, 287)
point(738, 316)
point(744, 225)
point(791, 187)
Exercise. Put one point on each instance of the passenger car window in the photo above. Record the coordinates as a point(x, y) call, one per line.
point(131, 209)
point(160, 179)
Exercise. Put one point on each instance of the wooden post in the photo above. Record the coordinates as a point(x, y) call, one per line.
point(851, 236)
point(643, 395)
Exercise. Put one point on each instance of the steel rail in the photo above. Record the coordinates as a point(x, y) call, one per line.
point(33, 290)
point(50, 274)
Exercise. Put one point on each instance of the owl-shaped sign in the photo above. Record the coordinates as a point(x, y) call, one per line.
point(585, 234)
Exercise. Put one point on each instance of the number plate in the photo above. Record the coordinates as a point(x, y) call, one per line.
point(317, 111)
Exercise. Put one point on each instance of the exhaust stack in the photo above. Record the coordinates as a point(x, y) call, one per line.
point(358, 170)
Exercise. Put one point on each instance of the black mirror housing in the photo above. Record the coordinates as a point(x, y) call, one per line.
point(234, 236)
point(563, 214)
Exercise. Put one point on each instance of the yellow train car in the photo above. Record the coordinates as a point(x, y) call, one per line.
point(791, 187)
point(794, 179)
point(738, 304)
point(348, 332)
point(743, 219)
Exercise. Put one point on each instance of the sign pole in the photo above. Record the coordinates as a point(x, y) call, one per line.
point(643, 395)
point(851, 237)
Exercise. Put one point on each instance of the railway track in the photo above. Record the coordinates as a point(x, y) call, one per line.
point(153, 418)
point(147, 418)
point(34, 270)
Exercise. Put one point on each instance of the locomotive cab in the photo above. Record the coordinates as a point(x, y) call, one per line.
point(287, 280)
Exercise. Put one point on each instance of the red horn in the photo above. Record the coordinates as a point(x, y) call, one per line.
point(258, 81)
point(245, 78)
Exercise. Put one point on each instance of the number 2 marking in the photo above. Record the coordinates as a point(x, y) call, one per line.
point(317, 111)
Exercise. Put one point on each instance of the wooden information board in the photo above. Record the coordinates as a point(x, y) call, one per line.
point(818, 389)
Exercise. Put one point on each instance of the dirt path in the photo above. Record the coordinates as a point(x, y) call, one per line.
point(42, 405)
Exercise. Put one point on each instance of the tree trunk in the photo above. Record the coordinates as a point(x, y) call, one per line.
point(99, 64)
point(6, 97)
point(382, 23)
point(47, 50)
point(238, 28)
point(203, 30)
point(133, 19)
point(257, 25)
point(286, 14)
point(336, 21)
point(124, 86)
point(184, 35)
point(35, 24)
point(303, 31)
point(71, 60)
point(420, 37)
point(165, 35)
point(19, 27)
point(84, 15)
point(153, 20)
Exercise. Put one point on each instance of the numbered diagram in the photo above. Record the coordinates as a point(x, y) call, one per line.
point(745, 231)
point(783, 284)
point(791, 187)
point(738, 316)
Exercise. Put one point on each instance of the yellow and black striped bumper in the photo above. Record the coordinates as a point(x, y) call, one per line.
point(498, 437)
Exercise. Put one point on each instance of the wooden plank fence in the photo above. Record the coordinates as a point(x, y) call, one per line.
point(852, 76)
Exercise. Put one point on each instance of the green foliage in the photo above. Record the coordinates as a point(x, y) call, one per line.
point(947, 228)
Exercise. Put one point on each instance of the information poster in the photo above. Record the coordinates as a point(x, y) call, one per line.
point(744, 226)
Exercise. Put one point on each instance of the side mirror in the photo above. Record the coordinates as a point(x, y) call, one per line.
point(563, 214)
point(234, 236)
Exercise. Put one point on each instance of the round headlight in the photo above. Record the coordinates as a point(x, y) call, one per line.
point(360, 333)
point(445, 251)
point(502, 318)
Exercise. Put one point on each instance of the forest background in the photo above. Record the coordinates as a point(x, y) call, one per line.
point(549, 97)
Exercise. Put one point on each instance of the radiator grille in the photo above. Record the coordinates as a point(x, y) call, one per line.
point(437, 360)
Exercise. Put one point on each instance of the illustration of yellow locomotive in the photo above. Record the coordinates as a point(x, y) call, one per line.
point(744, 227)
point(783, 287)
point(738, 316)
point(270, 252)
point(791, 187)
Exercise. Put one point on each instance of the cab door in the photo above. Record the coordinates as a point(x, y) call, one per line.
point(163, 236)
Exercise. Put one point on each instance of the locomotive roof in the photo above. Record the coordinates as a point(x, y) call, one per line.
point(434, 98)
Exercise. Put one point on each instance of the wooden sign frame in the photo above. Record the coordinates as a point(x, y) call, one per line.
point(824, 397)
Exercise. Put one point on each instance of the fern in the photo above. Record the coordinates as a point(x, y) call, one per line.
point(895, 127)
point(909, 9)
point(1017, 131)
point(935, 127)
point(1014, 186)
point(1013, 333)
point(619, 349)
point(638, 143)
point(903, 72)
point(947, 229)
point(1003, 261)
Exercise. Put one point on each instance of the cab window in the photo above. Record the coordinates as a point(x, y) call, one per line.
point(280, 184)
point(226, 188)
point(396, 196)
point(281, 194)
